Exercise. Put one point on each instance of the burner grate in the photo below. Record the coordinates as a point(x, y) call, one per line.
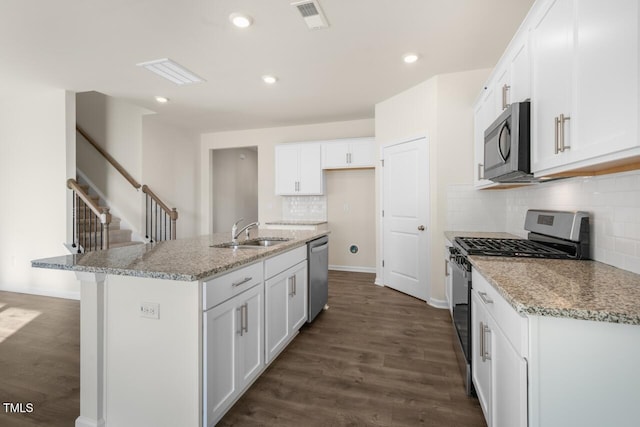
point(507, 247)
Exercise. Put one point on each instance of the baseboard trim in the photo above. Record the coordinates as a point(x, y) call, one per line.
point(353, 269)
point(438, 303)
point(88, 422)
point(42, 292)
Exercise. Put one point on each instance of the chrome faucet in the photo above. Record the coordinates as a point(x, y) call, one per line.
point(235, 233)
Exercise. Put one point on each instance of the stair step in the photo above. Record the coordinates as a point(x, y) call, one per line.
point(122, 244)
point(115, 236)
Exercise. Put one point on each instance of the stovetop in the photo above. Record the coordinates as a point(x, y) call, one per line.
point(507, 247)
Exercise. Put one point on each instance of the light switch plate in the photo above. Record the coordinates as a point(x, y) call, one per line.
point(150, 310)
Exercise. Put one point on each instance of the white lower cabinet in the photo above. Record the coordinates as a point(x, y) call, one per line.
point(499, 351)
point(233, 350)
point(286, 307)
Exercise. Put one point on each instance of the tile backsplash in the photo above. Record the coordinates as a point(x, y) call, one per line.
point(613, 202)
point(311, 208)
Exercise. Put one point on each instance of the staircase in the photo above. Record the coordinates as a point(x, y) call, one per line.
point(88, 227)
point(94, 228)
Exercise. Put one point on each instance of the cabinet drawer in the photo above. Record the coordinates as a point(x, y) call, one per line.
point(279, 263)
point(513, 325)
point(222, 288)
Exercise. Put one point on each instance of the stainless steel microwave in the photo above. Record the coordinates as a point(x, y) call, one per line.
point(507, 145)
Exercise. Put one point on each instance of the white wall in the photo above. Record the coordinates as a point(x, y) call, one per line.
point(37, 141)
point(234, 187)
point(270, 205)
point(170, 167)
point(613, 202)
point(440, 108)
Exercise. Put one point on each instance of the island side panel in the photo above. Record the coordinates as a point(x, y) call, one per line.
point(152, 366)
point(583, 373)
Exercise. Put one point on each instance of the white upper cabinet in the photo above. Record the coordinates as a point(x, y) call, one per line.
point(585, 84)
point(348, 153)
point(298, 169)
point(484, 114)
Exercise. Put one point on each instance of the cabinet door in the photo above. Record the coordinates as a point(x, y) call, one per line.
point(509, 383)
point(362, 153)
point(276, 314)
point(605, 115)
point(335, 155)
point(286, 169)
point(480, 354)
point(298, 297)
point(221, 331)
point(552, 43)
point(310, 170)
point(520, 85)
point(251, 351)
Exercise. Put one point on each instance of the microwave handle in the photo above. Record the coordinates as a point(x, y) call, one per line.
point(504, 127)
point(480, 171)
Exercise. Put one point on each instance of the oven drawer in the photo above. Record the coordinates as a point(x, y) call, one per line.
point(514, 326)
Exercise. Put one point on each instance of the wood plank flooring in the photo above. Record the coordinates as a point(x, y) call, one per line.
point(39, 359)
point(375, 358)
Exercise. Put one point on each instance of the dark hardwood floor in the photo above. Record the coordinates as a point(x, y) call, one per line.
point(376, 357)
point(39, 359)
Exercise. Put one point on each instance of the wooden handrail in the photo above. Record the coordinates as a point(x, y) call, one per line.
point(110, 159)
point(102, 213)
point(172, 212)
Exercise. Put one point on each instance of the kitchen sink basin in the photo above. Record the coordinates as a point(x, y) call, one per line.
point(260, 242)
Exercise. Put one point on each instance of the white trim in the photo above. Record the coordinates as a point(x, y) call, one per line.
point(41, 292)
point(438, 303)
point(378, 281)
point(355, 269)
point(87, 422)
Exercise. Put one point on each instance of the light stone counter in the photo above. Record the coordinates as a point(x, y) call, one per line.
point(182, 259)
point(587, 290)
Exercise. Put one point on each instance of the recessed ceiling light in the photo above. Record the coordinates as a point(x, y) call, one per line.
point(240, 20)
point(171, 71)
point(269, 79)
point(162, 99)
point(410, 58)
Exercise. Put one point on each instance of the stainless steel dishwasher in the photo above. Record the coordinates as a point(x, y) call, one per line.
point(318, 268)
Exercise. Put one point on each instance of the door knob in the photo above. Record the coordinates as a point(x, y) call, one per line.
point(421, 228)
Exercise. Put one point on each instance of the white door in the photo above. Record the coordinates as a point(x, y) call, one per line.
point(310, 170)
point(405, 178)
point(298, 297)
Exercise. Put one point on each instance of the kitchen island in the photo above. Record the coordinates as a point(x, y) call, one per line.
point(144, 340)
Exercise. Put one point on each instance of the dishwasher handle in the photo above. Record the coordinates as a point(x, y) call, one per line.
point(319, 248)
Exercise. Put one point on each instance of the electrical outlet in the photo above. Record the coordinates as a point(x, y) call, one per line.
point(150, 310)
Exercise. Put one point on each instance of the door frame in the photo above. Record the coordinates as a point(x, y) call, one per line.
point(380, 275)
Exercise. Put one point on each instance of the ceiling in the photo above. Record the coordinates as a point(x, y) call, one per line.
point(333, 74)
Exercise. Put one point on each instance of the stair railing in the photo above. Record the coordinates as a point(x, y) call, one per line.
point(160, 220)
point(90, 221)
point(160, 224)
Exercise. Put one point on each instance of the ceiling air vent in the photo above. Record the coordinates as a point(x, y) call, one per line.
point(312, 14)
point(171, 71)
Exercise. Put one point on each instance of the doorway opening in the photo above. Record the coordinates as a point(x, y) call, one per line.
point(234, 187)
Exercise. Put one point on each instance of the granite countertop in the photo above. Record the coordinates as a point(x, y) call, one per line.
point(587, 290)
point(182, 259)
point(451, 235)
point(295, 222)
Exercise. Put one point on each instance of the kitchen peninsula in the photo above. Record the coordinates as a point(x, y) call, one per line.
point(147, 345)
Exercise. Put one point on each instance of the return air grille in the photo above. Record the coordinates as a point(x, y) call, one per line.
point(312, 14)
point(171, 71)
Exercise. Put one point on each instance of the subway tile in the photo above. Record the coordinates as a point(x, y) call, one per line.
point(625, 246)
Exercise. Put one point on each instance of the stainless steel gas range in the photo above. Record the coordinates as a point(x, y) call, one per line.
point(552, 234)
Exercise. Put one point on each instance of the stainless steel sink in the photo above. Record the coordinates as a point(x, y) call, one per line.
point(260, 242)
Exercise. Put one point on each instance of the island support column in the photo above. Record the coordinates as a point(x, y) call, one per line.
point(92, 353)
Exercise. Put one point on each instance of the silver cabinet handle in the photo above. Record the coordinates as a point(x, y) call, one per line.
point(295, 285)
point(291, 281)
point(446, 267)
point(485, 352)
point(505, 88)
point(485, 298)
point(349, 158)
point(561, 120)
point(244, 318)
point(480, 170)
point(481, 335)
point(241, 281)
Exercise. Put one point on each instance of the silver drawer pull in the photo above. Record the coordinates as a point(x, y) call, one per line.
point(241, 281)
point(485, 298)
